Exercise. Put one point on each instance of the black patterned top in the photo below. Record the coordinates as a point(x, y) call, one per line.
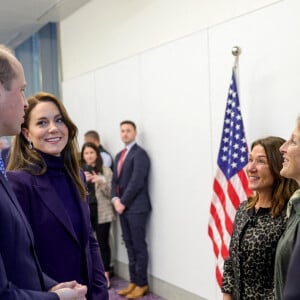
point(249, 269)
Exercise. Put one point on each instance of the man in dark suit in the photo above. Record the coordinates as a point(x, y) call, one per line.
point(21, 277)
point(132, 202)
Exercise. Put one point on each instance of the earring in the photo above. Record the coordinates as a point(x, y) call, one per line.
point(30, 146)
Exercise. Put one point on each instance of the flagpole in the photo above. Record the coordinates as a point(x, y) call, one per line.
point(236, 52)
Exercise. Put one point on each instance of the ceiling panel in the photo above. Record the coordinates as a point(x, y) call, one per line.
point(19, 19)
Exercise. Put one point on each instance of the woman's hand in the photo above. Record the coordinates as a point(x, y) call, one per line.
point(88, 176)
point(94, 178)
point(70, 290)
point(227, 296)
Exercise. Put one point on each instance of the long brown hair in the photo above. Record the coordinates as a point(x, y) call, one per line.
point(283, 188)
point(24, 158)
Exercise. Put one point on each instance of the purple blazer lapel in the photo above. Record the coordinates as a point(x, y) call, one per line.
point(48, 194)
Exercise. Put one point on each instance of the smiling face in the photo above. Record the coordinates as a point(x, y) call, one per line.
point(258, 171)
point(13, 102)
point(290, 151)
point(46, 129)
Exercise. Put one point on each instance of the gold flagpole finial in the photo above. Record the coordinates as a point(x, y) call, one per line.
point(236, 51)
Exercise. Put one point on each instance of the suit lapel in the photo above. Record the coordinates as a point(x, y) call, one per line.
point(56, 207)
point(16, 204)
point(127, 157)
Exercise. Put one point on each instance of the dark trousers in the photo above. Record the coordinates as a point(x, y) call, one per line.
point(134, 235)
point(94, 215)
point(102, 232)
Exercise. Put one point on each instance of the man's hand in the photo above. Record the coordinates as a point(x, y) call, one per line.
point(70, 290)
point(119, 207)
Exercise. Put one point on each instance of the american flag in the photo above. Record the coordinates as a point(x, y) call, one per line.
point(230, 185)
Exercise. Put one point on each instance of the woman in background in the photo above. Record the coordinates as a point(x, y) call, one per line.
point(99, 187)
point(47, 181)
point(258, 225)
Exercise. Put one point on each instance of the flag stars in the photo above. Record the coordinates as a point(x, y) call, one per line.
point(224, 158)
point(243, 159)
point(235, 155)
point(233, 149)
point(225, 149)
point(234, 165)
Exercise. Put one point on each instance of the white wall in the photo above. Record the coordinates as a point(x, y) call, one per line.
point(176, 93)
point(105, 31)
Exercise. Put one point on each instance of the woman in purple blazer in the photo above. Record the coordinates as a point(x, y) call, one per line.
point(47, 180)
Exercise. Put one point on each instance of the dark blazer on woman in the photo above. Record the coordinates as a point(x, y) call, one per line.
point(21, 276)
point(57, 244)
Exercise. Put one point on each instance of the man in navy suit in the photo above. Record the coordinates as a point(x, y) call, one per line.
point(132, 202)
point(21, 277)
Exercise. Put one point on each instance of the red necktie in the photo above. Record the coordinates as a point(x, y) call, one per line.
point(121, 161)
